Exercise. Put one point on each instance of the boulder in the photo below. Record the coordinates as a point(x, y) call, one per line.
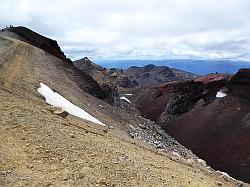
point(60, 112)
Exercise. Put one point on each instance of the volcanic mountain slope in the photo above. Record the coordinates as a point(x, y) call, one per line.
point(39, 148)
point(221, 128)
point(41, 65)
point(151, 75)
point(113, 77)
point(215, 128)
point(111, 80)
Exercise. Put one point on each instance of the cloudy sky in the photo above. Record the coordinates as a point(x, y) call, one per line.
point(138, 29)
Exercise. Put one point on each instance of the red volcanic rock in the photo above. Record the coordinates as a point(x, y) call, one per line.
point(206, 79)
point(39, 41)
point(152, 102)
point(219, 132)
point(212, 84)
point(161, 103)
point(215, 129)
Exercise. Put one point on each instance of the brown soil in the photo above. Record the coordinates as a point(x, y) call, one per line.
point(39, 148)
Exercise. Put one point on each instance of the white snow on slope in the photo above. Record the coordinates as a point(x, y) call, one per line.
point(56, 100)
point(221, 94)
point(128, 94)
point(126, 99)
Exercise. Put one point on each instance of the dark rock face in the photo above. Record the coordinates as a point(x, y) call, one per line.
point(102, 76)
point(126, 82)
point(39, 41)
point(86, 82)
point(111, 93)
point(91, 68)
point(240, 84)
point(241, 78)
point(151, 75)
point(215, 129)
point(185, 97)
point(113, 77)
point(121, 79)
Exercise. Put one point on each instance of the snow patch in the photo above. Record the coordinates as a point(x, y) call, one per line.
point(221, 94)
point(126, 99)
point(56, 100)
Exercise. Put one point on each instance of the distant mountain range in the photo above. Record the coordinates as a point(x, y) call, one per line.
point(199, 67)
point(149, 75)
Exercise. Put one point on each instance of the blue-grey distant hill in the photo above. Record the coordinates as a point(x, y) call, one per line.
point(199, 67)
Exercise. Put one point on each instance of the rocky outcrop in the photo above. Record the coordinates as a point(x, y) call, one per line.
point(99, 73)
point(241, 78)
point(111, 93)
point(240, 84)
point(184, 98)
point(166, 102)
point(121, 79)
point(102, 76)
point(187, 94)
point(39, 41)
point(109, 79)
point(151, 75)
point(60, 112)
point(113, 76)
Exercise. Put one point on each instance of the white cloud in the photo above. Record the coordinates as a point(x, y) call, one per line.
point(138, 28)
